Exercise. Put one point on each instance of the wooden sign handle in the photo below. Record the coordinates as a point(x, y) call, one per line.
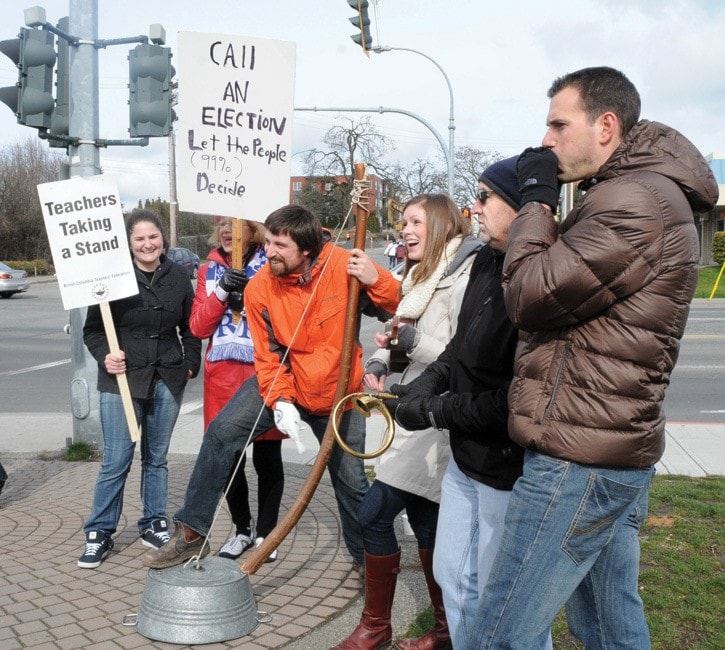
point(122, 379)
point(237, 256)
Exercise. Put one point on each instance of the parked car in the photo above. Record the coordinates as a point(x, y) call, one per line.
point(12, 281)
point(185, 257)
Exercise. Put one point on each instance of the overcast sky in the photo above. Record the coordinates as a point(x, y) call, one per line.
point(500, 58)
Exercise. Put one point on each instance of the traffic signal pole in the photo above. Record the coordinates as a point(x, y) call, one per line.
point(84, 159)
point(83, 118)
point(70, 120)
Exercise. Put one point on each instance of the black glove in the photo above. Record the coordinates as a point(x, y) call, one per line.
point(537, 169)
point(376, 367)
point(401, 390)
point(417, 413)
point(235, 301)
point(233, 280)
point(408, 338)
point(430, 382)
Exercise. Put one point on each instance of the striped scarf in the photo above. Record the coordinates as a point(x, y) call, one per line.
point(230, 341)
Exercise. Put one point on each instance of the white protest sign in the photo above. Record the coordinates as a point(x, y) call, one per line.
point(87, 237)
point(236, 104)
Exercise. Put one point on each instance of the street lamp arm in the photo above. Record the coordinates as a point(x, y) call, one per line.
point(382, 109)
point(451, 120)
point(387, 48)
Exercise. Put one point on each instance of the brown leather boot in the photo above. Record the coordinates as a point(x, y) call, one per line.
point(374, 631)
point(438, 638)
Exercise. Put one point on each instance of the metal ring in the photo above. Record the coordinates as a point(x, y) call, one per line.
point(364, 403)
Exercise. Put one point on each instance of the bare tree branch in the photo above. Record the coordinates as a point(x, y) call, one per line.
point(22, 230)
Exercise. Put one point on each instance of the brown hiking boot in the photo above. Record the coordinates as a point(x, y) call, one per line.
point(176, 551)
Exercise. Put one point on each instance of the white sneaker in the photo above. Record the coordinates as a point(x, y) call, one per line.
point(235, 546)
point(272, 556)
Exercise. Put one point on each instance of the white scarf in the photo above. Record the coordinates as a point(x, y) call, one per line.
point(416, 296)
point(230, 341)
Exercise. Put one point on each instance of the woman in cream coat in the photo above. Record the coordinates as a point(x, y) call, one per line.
point(439, 256)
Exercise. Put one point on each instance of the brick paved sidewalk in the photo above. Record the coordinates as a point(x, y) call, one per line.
point(46, 601)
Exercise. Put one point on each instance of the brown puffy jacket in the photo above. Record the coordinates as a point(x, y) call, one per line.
point(603, 301)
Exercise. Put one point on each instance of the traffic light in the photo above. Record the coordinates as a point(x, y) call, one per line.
point(362, 22)
point(31, 99)
point(9, 94)
point(60, 119)
point(150, 86)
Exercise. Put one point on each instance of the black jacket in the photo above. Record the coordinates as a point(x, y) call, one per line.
point(477, 367)
point(148, 326)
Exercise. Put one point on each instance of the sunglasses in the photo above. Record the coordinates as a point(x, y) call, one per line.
point(483, 195)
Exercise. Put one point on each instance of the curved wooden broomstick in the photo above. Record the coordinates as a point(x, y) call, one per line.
point(283, 528)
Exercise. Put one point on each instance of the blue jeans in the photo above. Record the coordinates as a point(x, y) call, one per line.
point(379, 508)
point(570, 538)
point(156, 417)
point(462, 561)
point(229, 432)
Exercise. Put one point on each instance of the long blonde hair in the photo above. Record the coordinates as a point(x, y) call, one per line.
point(257, 232)
point(444, 221)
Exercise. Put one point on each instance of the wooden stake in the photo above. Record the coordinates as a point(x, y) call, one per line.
point(122, 379)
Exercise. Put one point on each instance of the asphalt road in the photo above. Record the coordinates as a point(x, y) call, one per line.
point(35, 351)
point(36, 370)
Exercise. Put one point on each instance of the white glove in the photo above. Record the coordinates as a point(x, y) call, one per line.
point(287, 419)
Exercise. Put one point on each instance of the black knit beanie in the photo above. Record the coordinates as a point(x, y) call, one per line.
point(501, 177)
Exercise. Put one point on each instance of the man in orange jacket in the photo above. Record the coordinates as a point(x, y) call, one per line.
point(295, 306)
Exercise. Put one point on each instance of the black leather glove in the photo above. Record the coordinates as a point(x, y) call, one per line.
point(432, 381)
point(235, 301)
point(408, 338)
point(537, 169)
point(233, 280)
point(417, 413)
point(401, 390)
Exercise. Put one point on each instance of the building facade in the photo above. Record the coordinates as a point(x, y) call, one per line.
point(377, 193)
point(711, 222)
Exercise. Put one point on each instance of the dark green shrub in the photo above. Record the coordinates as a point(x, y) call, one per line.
point(33, 267)
point(718, 247)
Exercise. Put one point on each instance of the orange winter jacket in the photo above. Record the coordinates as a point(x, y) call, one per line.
point(275, 306)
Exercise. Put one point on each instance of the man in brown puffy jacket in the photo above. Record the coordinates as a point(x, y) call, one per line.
point(601, 302)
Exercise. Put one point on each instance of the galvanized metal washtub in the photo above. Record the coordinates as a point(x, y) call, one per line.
point(205, 601)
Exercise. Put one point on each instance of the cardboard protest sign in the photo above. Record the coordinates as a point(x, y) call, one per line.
point(87, 237)
point(236, 104)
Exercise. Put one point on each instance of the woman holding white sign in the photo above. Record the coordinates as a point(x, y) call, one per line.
point(159, 355)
